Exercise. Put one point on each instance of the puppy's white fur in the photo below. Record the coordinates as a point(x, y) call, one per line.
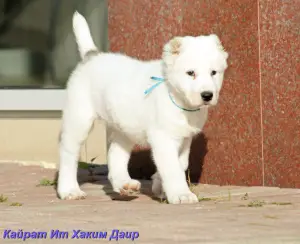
point(111, 86)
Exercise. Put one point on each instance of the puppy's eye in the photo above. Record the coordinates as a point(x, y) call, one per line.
point(213, 73)
point(191, 73)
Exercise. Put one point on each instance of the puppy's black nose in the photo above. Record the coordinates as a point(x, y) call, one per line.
point(207, 96)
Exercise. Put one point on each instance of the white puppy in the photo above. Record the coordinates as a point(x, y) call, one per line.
point(115, 88)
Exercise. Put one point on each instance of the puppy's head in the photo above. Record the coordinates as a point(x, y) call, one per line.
point(194, 68)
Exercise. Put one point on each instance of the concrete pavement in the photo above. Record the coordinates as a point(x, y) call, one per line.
point(226, 214)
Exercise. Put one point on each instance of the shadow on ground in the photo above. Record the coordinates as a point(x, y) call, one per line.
point(141, 167)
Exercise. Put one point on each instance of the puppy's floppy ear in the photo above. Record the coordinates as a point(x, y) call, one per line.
point(173, 47)
point(171, 50)
point(219, 45)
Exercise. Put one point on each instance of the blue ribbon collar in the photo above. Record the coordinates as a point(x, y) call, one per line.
point(160, 81)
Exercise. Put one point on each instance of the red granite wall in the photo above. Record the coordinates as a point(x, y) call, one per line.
point(252, 136)
point(280, 87)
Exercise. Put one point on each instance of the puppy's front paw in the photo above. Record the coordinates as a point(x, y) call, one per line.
point(72, 194)
point(133, 186)
point(128, 187)
point(183, 198)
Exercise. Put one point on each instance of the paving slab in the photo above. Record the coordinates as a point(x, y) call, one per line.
point(225, 214)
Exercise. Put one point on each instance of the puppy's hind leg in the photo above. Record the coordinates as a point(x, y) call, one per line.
point(78, 118)
point(157, 188)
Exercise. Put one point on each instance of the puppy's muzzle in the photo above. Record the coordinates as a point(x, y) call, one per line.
point(207, 96)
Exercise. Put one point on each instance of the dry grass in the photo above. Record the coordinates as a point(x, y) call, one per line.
point(3, 198)
point(281, 203)
point(203, 199)
point(16, 204)
point(256, 204)
point(47, 182)
point(261, 203)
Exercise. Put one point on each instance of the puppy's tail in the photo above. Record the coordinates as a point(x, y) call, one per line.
point(83, 35)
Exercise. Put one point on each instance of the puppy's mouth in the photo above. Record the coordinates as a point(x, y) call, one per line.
point(194, 102)
point(202, 104)
point(199, 103)
point(208, 104)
